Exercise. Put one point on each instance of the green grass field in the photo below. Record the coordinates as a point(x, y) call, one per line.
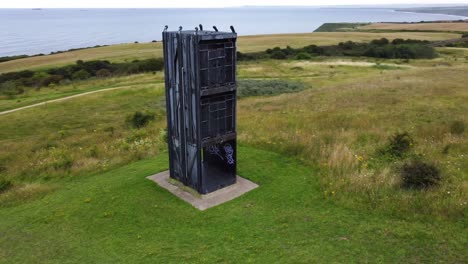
point(120, 216)
point(79, 192)
point(129, 52)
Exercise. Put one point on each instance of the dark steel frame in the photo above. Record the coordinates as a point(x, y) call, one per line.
point(204, 163)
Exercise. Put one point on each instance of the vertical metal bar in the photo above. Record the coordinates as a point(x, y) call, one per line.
point(181, 88)
point(234, 112)
point(198, 113)
point(167, 78)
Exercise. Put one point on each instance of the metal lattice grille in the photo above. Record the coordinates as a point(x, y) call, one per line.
point(217, 115)
point(216, 64)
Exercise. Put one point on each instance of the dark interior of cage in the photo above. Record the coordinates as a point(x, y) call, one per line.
point(219, 165)
point(217, 115)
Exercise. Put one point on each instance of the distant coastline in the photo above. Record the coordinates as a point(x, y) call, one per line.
point(454, 11)
point(42, 31)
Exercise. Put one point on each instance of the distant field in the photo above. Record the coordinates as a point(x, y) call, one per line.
point(419, 26)
point(339, 27)
point(262, 42)
point(122, 52)
point(118, 53)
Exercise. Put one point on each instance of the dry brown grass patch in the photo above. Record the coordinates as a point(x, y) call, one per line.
point(418, 26)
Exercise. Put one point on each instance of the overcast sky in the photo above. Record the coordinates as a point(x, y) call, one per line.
point(203, 3)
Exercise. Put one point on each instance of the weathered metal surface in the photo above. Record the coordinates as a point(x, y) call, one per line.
point(200, 76)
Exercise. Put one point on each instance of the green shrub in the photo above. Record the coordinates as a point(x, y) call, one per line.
point(10, 89)
point(380, 42)
point(139, 119)
point(163, 135)
point(62, 161)
point(51, 79)
point(399, 144)
point(12, 76)
point(417, 174)
point(397, 147)
point(398, 41)
point(303, 56)
point(151, 65)
point(278, 55)
point(102, 73)
point(9, 58)
point(5, 185)
point(313, 49)
point(457, 127)
point(81, 75)
point(379, 48)
point(249, 56)
point(12, 83)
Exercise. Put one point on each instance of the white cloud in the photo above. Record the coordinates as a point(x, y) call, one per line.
point(200, 3)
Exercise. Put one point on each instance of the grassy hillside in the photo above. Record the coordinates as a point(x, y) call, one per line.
point(128, 52)
point(455, 27)
point(34, 96)
point(89, 133)
point(343, 126)
point(339, 27)
point(328, 190)
point(120, 216)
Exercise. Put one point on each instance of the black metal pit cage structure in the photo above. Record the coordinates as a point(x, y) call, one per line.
point(200, 76)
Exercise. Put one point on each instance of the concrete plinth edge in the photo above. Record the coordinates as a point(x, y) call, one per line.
point(200, 201)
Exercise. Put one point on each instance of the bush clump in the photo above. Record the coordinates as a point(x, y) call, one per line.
point(103, 73)
point(278, 55)
point(5, 185)
point(398, 145)
point(81, 75)
point(378, 48)
point(10, 89)
point(457, 127)
point(163, 135)
point(13, 83)
point(139, 119)
point(417, 174)
point(303, 56)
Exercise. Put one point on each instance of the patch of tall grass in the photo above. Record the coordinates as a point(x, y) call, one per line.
point(247, 88)
point(341, 128)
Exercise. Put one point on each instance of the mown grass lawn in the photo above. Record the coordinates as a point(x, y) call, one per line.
point(121, 217)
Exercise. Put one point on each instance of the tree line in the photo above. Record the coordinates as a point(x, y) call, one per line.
point(378, 48)
point(14, 83)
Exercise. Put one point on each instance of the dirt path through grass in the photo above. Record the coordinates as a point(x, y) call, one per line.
point(60, 99)
point(349, 63)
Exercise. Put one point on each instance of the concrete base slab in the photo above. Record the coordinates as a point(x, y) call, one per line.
point(203, 201)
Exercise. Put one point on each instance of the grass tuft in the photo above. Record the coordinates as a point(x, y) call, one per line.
point(267, 87)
